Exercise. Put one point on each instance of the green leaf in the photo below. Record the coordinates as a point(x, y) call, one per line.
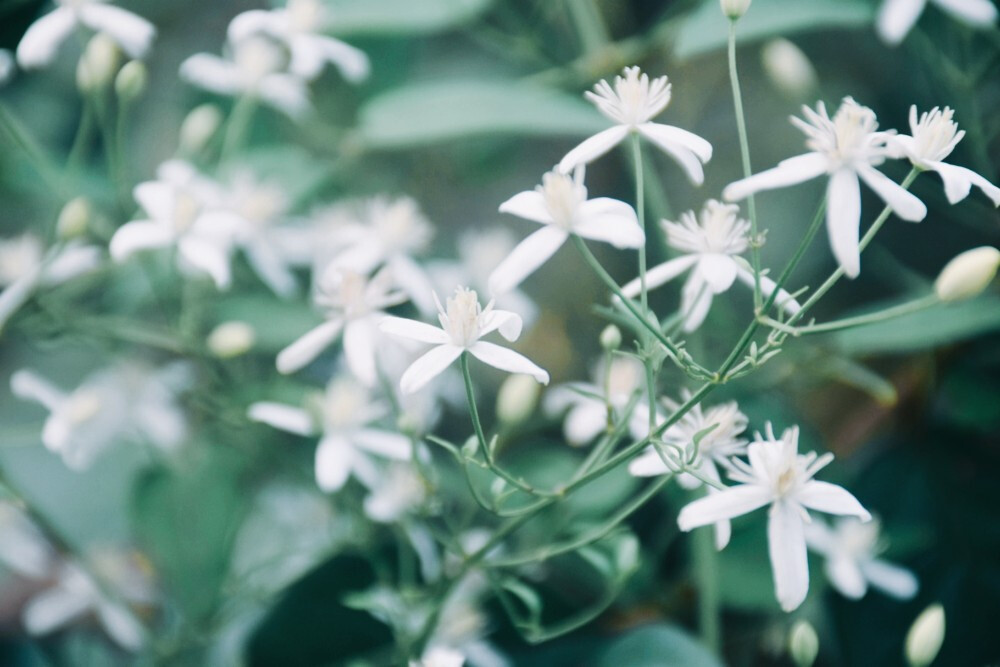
point(435, 112)
point(657, 646)
point(706, 29)
point(402, 16)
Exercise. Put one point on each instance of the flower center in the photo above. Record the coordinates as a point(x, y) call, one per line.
point(186, 209)
point(400, 226)
point(853, 126)
point(305, 15)
point(262, 205)
point(936, 134)
point(343, 402)
point(787, 480)
point(256, 57)
point(722, 233)
point(562, 197)
point(84, 406)
point(634, 100)
point(461, 317)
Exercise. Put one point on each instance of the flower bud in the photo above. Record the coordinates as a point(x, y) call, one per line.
point(789, 68)
point(734, 9)
point(98, 64)
point(925, 637)
point(231, 339)
point(199, 127)
point(611, 338)
point(803, 644)
point(968, 274)
point(131, 81)
point(74, 218)
point(517, 398)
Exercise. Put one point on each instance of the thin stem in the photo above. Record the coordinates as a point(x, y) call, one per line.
point(84, 133)
point(237, 126)
point(588, 24)
point(473, 410)
point(640, 207)
point(706, 573)
point(870, 318)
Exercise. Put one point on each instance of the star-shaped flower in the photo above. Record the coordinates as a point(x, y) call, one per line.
point(846, 148)
point(897, 17)
point(632, 104)
point(586, 403)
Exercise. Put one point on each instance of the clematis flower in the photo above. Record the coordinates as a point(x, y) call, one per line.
point(353, 306)
point(341, 418)
point(463, 323)
point(710, 247)
point(299, 26)
point(934, 136)
point(584, 402)
point(632, 104)
point(715, 450)
point(897, 17)
point(256, 68)
point(41, 41)
point(778, 476)
point(846, 148)
point(851, 550)
point(561, 206)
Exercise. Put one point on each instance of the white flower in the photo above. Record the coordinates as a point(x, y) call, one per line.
point(341, 418)
point(256, 68)
point(561, 206)
point(586, 404)
point(934, 137)
point(897, 17)
point(395, 493)
point(779, 476)
point(23, 548)
point(299, 26)
point(846, 147)
point(850, 549)
point(439, 656)
point(183, 211)
point(632, 104)
point(710, 248)
point(463, 323)
point(41, 41)
point(353, 306)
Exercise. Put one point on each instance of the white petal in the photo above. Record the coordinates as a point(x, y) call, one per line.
point(982, 13)
point(719, 271)
point(611, 221)
point(585, 421)
point(212, 73)
point(41, 41)
point(412, 278)
point(958, 182)
point(286, 93)
point(72, 262)
point(121, 626)
point(843, 218)
point(660, 133)
point(17, 294)
point(308, 347)
point(648, 464)
point(689, 162)
point(846, 577)
point(905, 204)
point(139, 235)
point(33, 387)
point(529, 254)
point(696, 301)
point(509, 324)
point(157, 198)
point(248, 23)
point(787, 547)
point(832, 499)
point(723, 531)
point(52, 609)
point(726, 504)
point(660, 274)
point(384, 443)
point(784, 300)
point(891, 579)
point(897, 18)
point(404, 328)
point(529, 205)
point(359, 350)
point(133, 33)
point(206, 257)
point(427, 367)
point(507, 360)
point(271, 268)
point(593, 148)
point(283, 417)
point(311, 52)
point(334, 461)
point(794, 170)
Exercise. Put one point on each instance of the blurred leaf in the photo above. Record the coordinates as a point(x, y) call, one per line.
point(428, 113)
point(657, 646)
point(276, 323)
point(402, 16)
point(706, 29)
point(744, 569)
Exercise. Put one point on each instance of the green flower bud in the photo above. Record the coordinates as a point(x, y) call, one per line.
point(517, 398)
point(803, 644)
point(231, 339)
point(611, 338)
point(199, 127)
point(98, 64)
point(131, 81)
point(74, 218)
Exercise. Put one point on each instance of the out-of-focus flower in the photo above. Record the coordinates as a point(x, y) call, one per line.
point(439, 656)
point(711, 246)
point(353, 305)
point(463, 623)
point(98, 65)
point(632, 104)
point(74, 218)
point(131, 81)
point(967, 274)
point(342, 419)
point(299, 25)
point(40, 43)
point(517, 398)
point(395, 493)
point(23, 548)
point(231, 339)
point(850, 548)
point(586, 403)
point(846, 147)
point(199, 126)
point(561, 206)
point(789, 68)
point(734, 9)
point(256, 68)
point(933, 137)
point(803, 644)
point(926, 635)
point(897, 17)
point(463, 323)
point(777, 475)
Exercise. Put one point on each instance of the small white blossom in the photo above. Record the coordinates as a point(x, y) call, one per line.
point(40, 43)
point(710, 247)
point(395, 493)
point(561, 206)
point(777, 475)
point(586, 403)
point(463, 323)
point(851, 549)
point(23, 547)
point(632, 104)
point(439, 656)
point(342, 419)
point(897, 17)
point(846, 148)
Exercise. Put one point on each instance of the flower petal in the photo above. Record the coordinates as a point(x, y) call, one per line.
point(509, 324)
point(308, 347)
point(529, 205)
point(248, 23)
point(139, 235)
point(41, 41)
point(133, 33)
point(526, 257)
point(593, 148)
point(334, 461)
point(428, 366)
point(660, 274)
point(207, 257)
point(843, 218)
point(832, 499)
point(980, 13)
point(905, 204)
point(897, 18)
point(413, 280)
point(283, 417)
point(507, 360)
point(723, 531)
point(414, 330)
point(718, 270)
point(728, 503)
point(29, 385)
point(584, 422)
point(958, 182)
point(211, 73)
point(74, 261)
point(308, 49)
point(648, 464)
point(271, 268)
point(846, 577)
point(784, 300)
point(359, 350)
point(660, 133)
point(384, 443)
point(17, 294)
point(696, 301)
point(689, 162)
point(286, 93)
point(787, 547)
point(891, 579)
point(611, 221)
point(121, 626)
point(794, 170)
point(51, 609)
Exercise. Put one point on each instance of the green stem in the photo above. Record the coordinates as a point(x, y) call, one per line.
point(84, 133)
point(588, 24)
point(473, 410)
point(237, 126)
point(706, 573)
point(870, 318)
point(640, 206)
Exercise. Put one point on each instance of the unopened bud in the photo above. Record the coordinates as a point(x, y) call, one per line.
point(131, 81)
point(199, 127)
point(74, 218)
point(231, 339)
point(789, 68)
point(611, 338)
point(925, 637)
point(734, 9)
point(968, 274)
point(98, 64)
point(517, 398)
point(803, 644)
